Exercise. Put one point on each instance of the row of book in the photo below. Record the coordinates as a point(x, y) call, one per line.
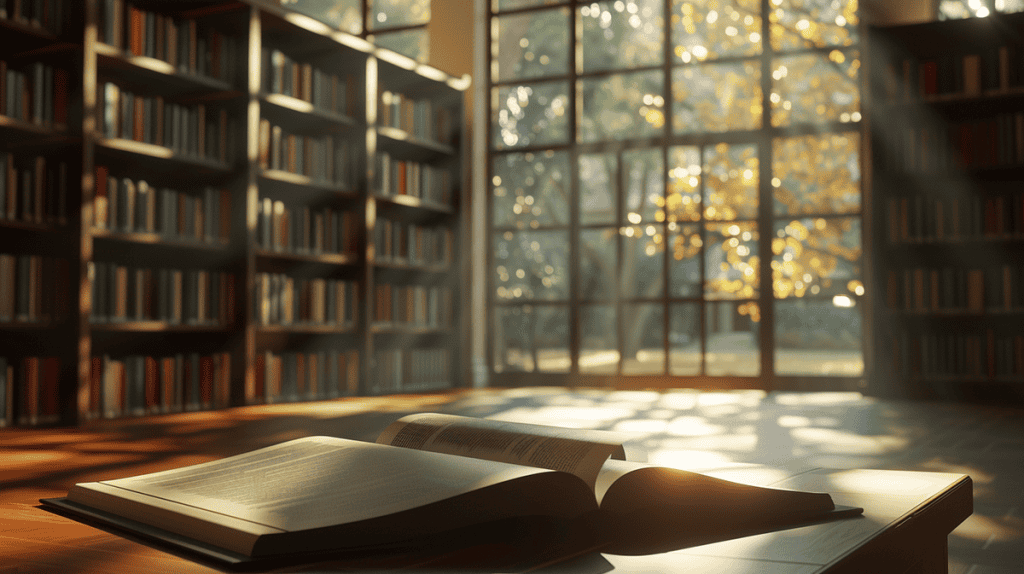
point(422, 118)
point(411, 370)
point(996, 141)
point(29, 393)
point(33, 288)
point(994, 289)
point(33, 189)
point(136, 385)
point(195, 130)
point(412, 306)
point(181, 42)
point(309, 375)
point(283, 300)
point(957, 356)
point(175, 296)
point(324, 159)
point(397, 177)
point(36, 93)
point(45, 14)
point(325, 91)
point(997, 69)
point(128, 205)
point(304, 230)
point(407, 243)
point(930, 219)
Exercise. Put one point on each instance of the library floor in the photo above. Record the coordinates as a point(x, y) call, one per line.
point(690, 428)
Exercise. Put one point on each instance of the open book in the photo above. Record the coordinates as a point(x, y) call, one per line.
point(433, 477)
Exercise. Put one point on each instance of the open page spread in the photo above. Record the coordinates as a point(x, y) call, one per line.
point(579, 452)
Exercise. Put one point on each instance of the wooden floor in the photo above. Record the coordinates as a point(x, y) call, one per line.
point(689, 428)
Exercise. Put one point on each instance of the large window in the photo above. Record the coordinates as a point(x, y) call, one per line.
point(399, 25)
point(675, 191)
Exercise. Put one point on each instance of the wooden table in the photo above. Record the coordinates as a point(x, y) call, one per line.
point(907, 515)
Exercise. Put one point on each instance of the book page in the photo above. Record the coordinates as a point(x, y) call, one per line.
point(580, 452)
point(320, 481)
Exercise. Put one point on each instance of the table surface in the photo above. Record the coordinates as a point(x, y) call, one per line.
point(907, 515)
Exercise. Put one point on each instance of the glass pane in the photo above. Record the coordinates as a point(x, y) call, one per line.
point(644, 345)
point(710, 29)
point(1009, 5)
point(717, 97)
point(532, 265)
point(622, 35)
point(394, 13)
point(684, 197)
point(645, 185)
point(684, 339)
point(599, 341)
point(643, 261)
point(731, 181)
point(531, 189)
point(598, 189)
point(686, 261)
point(597, 264)
point(817, 174)
point(621, 106)
point(813, 88)
point(531, 114)
point(412, 43)
point(733, 333)
point(817, 257)
point(531, 45)
point(346, 15)
point(731, 261)
point(807, 23)
point(959, 9)
point(513, 4)
point(818, 337)
point(531, 338)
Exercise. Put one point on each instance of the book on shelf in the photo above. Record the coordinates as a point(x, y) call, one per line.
point(33, 189)
point(420, 117)
point(950, 289)
point(407, 243)
point(457, 479)
point(283, 300)
point(135, 385)
point(324, 159)
point(33, 288)
point(304, 230)
point(36, 401)
point(993, 355)
point(415, 179)
point(325, 91)
point(411, 370)
point(413, 306)
point(35, 93)
point(6, 393)
point(122, 293)
point(45, 14)
point(304, 375)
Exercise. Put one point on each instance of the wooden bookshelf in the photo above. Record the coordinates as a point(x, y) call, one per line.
point(947, 158)
point(205, 176)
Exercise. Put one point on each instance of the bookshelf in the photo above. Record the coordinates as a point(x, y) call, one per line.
point(208, 173)
point(948, 156)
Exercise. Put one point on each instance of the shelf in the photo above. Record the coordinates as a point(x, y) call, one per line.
point(25, 36)
point(14, 130)
point(278, 176)
point(157, 327)
point(408, 331)
point(409, 146)
point(303, 113)
point(174, 161)
point(301, 329)
point(157, 240)
point(22, 326)
point(126, 67)
point(407, 201)
point(340, 259)
point(410, 268)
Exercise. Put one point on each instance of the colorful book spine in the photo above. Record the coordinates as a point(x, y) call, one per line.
point(421, 118)
point(415, 179)
point(304, 230)
point(324, 159)
point(122, 294)
point(398, 242)
point(411, 370)
point(284, 376)
point(35, 93)
point(412, 306)
point(33, 288)
point(33, 189)
point(283, 300)
point(326, 91)
point(136, 385)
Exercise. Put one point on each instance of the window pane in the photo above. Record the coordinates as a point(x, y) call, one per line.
point(818, 337)
point(817, 257)
point(684, 339)
point(717, 97)
point(733, 340)
point(598, 189)
point(513, 4)
point(531, 189)
point(622, 35)
point(1007, 5)
point(412, 43)
point(531, 338)
point(621, 106)
point(643, 261)
point(529, 115)
point(599, 341)
point(730, 176)
point(684, 197)
point(644, 345)
point(645, 186)
point(730, 270)
point(710, 29)
point(807, 23)
point(597, 264)
point(817, 174)
point(394, 13)
point(814, 88)
point(532, 265)
point(686, 260)
point(531, 45)
point(346, 15)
